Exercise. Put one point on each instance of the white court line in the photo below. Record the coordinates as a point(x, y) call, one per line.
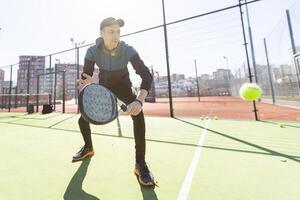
point(185, 188)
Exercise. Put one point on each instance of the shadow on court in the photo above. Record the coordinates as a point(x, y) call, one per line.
point(119, 135)
point(148, 193)
point(34, 116)
point(284, 125)
point(74, 190)
point(267, 150)
point(119, 127)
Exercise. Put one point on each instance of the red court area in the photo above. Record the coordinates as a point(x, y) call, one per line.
point(223, 107)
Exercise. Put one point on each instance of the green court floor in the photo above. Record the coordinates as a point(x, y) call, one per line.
point(190, 158)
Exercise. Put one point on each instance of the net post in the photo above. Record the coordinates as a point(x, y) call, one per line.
point(63, 96)
point(37, 93)
point(247, 56)
point(10, 85)
point(55, 83)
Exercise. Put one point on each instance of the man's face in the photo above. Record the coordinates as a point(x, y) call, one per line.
point(111, 36)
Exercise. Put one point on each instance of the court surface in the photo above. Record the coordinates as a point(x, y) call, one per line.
point(190, 158)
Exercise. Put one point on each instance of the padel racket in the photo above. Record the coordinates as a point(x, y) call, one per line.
point(98, 105)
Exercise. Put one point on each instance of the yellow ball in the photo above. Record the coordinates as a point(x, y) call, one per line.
point(216, 118)
point(250, 91)
point(280, 125)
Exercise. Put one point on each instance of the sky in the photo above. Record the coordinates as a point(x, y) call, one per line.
point(40, 27)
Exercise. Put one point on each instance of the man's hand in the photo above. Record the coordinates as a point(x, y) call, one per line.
point(81, 83)
point(136, 107)
point(133, 108)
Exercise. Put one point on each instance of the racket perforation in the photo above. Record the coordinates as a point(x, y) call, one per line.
point(99, 105)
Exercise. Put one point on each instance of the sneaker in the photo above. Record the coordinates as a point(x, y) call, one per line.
point(145, 177)
point(84, 152)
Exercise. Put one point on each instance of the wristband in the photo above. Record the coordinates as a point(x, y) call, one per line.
point(139, 102)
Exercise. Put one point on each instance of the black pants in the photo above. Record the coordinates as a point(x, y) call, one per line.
point(125, 94)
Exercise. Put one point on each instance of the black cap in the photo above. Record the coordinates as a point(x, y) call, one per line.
point(109, 21)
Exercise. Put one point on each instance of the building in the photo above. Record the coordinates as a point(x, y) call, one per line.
point(286, 70)
point(6, 84)
point(204, 77)
point(177, 77)
point(222, 74)
point(209, 85)
point(174, 78)
point(36, 66)
point(70, 78)
point(277, 73)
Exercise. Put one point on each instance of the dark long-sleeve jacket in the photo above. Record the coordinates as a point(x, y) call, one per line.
point(113, 64)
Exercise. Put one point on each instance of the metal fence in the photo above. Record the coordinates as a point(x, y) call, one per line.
point(274, 62)
point(199, 56)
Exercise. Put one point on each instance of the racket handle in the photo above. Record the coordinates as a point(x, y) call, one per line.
point(123, 107)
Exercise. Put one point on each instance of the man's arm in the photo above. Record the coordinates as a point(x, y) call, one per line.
point(86, 75)
point(88, 68)
point(142, 70)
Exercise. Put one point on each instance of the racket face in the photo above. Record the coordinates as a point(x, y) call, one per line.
point(97, 104)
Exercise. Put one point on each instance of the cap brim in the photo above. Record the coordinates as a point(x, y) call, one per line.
point(120, 22)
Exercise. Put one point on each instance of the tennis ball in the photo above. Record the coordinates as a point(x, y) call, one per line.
point(280, 125)
point(207, 118)
point(216, 118)
point(250, 91)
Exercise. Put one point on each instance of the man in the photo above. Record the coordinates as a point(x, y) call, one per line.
point(112, 56)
